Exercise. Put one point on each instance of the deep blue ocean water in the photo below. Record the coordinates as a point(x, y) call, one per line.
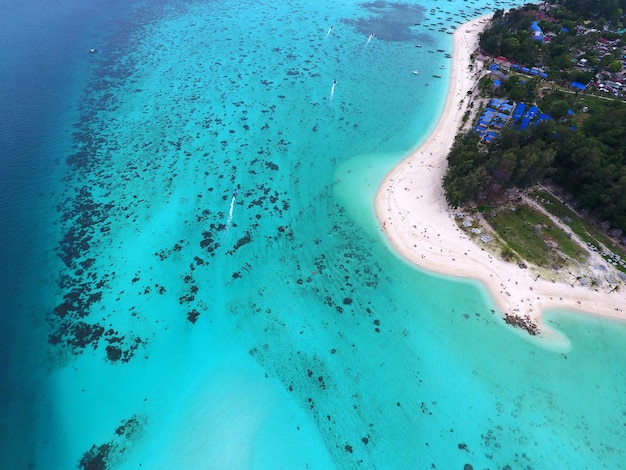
point(154, 317)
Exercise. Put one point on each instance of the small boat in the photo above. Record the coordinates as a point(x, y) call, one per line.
point(437, 76)
point(235, 191)
point(415, 72)
point(442, 66)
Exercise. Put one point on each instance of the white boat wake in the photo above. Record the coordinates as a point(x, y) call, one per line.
point(230, 211)
point(332, 91)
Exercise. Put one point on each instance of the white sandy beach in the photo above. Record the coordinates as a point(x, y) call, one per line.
point(412, 210)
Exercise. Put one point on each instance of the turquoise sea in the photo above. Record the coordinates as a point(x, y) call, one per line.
point(191, 273)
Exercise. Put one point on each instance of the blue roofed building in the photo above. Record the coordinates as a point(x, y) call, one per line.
point(519, 110)
point(525, 122)
point(544, 117)
point(532, 112)
point(536, 31)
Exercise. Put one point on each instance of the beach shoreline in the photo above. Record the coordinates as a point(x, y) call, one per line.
point(413, 213)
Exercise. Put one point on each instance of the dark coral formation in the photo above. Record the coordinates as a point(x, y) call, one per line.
point(96, 458)
point(193, 315)
point(105, 456)
point(525, 323)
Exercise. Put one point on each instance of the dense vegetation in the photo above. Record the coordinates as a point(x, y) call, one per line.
point(510, 36)
point(583, 149)
point(590, 162)
point(610, 9)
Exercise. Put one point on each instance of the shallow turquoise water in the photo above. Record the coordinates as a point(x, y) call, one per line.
point(276, 329)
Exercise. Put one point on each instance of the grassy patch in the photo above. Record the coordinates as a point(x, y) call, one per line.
point(587, 232)
point(494, 245)
point(535, 238)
